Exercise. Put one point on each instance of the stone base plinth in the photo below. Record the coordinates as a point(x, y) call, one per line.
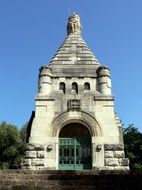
point(38, 157)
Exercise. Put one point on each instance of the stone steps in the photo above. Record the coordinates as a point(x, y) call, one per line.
point(46, 188)
point(68, 180)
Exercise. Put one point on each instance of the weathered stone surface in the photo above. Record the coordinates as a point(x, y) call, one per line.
point(31, 146)
point(40, 154)
point(109, 154)
point(29, 167)
point(26, 162)
point(70, 180)
point(111, 162)
point(119, 154)
point(123, 161)
point(40, 167)
point(37, 162)
point(62, 80)
point(107, 168)
point(113, 147)
point(30, 154)
point(123, 168)
point(74, 25)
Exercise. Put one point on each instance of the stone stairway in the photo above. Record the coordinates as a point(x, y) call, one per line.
point(69, 180)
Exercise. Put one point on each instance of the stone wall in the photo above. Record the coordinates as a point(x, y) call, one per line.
point(35, 155)
point(39, 157)
point(115, 158)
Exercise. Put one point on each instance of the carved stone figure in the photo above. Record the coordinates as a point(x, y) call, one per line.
point(74, 25)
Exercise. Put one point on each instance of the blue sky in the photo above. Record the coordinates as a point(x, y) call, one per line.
point(32, 30)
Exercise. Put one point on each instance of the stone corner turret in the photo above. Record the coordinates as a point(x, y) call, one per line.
point(104, 80)
point(44, 80)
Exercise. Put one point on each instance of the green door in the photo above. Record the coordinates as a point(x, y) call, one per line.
point(74, 153)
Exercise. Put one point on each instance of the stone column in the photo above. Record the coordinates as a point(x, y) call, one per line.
point(103, 80)
point(44, 82)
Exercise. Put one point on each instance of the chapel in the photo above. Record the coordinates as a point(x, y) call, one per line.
point(74, 125)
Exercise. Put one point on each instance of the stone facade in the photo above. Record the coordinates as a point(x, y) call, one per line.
point(75, 89)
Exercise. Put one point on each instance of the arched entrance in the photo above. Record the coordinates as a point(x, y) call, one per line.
point(74, 147)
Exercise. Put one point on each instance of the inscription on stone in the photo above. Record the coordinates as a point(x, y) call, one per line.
point(73, 104)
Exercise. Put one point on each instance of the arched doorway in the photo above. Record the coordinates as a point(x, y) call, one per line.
point(74, 147)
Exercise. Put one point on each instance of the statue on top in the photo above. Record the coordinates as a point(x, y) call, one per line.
point(74, 25)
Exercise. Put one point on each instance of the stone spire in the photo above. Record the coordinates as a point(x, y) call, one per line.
point(74, 49)
point(74, 25)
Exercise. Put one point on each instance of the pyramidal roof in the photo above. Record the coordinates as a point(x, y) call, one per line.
point(74, 50)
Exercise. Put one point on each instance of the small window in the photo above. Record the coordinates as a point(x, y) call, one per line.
point(62, 87)
point(75, 87)
point(86, 86)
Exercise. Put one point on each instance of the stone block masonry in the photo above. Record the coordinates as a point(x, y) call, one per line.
point(115, 158)
point(35, 156)
point(113, 155)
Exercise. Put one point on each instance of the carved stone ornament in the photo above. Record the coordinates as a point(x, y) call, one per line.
point(74, 25)
point(73, 104)
point(83, 117)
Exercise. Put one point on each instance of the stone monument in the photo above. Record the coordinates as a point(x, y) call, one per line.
point(74, 126)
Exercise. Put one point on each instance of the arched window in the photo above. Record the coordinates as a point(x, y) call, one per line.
point(75, 87)
point(86, 86)
point(62, 87)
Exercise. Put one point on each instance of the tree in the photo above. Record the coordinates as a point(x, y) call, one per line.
point(133, 146)
point(12, 148)
point(23, 132)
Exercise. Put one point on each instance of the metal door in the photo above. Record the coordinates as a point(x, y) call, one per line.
point(74, 153)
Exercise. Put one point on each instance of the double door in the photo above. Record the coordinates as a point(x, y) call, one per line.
point(74, 153)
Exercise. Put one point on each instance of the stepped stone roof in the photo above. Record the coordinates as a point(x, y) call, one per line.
point(74, 50)
point(74, 57)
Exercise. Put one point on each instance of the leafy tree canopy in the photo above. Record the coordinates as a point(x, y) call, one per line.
point(12, 145)
point(133, 146)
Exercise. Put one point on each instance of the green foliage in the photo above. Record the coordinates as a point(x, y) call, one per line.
point(133, 144)
point(23, 132)
point(12, 146)
point(137, 166)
